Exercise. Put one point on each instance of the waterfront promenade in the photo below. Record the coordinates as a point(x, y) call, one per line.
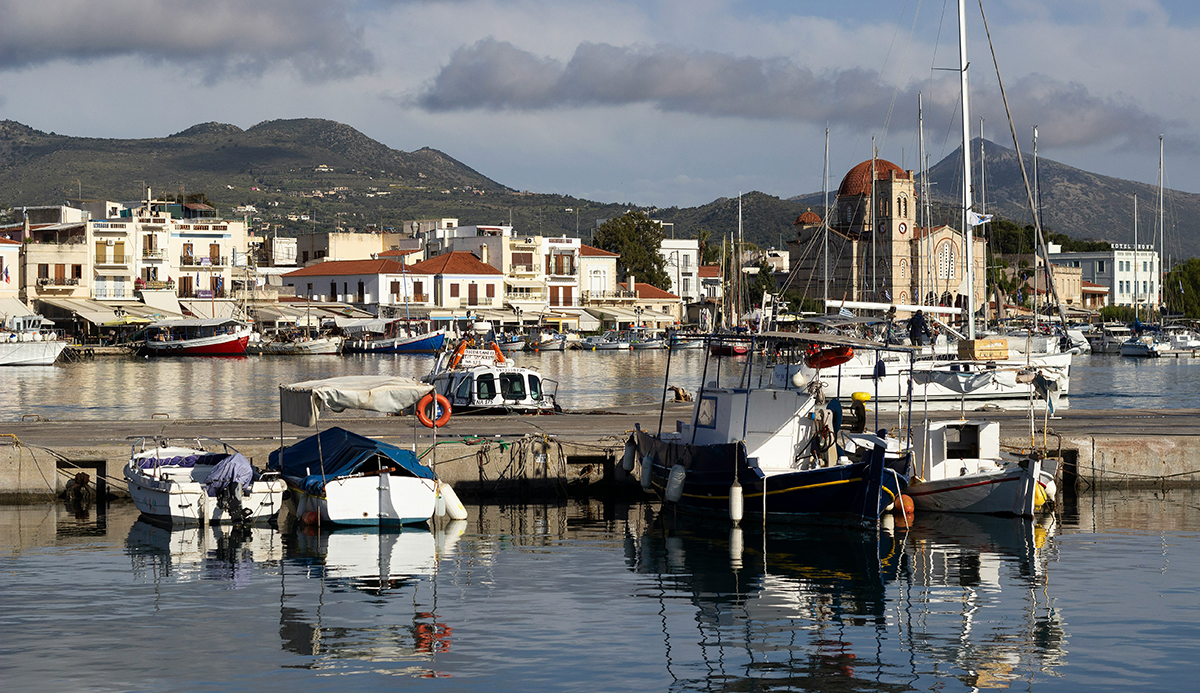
point(549, 455)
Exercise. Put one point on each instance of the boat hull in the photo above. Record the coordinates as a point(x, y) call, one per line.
point(1009, 491)
point(322, 346)
point(31, 353)
point(221, 345)
point(173, 495)
point(383, 499)
point(421, 344)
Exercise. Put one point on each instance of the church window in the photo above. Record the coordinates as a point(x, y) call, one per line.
point(945, 260)
point(904, 269)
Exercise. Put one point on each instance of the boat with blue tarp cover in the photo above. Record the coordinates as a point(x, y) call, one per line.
point(341, 477)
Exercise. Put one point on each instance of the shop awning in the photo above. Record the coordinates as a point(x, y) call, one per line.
point(93, 311)
point(162, 301)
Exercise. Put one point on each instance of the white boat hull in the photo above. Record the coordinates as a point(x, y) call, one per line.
point(30, 353)
point(179, 496)
point(323, 345)
point(1010, 490)
point(371, 500)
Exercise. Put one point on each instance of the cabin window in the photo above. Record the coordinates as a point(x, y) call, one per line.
point(464, 389)
point(535, 388)
point(706, 413)
point(485, 387)
point(512, 386)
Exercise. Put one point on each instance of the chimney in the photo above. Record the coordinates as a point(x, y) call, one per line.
point(483, 253)
point(630, 281)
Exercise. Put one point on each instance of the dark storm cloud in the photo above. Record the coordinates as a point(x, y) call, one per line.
point(217, 37)
point(497, 75)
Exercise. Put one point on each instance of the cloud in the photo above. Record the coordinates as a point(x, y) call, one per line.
point(219, 37)
point(495, 74)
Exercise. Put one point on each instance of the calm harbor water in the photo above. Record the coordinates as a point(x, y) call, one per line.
point(127, 388)
point(588, 596)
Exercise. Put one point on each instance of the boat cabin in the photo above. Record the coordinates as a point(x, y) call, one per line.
point(777, 431)
point(496, 386)
point(965, 444)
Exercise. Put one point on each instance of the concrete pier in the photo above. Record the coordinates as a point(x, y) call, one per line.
point(546, 456)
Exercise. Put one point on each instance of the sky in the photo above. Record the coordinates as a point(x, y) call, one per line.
point(667, 103)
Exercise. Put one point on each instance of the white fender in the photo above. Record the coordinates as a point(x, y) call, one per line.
point(675, 479)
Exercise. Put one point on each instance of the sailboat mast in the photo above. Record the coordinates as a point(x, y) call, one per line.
point(825, 221)
point(874, 236)
point(1037, 213)
point(1135, 259)
point(920, 297)
point(1162, 238)
point(737, 265)
point(987, 273)
point(966, 150)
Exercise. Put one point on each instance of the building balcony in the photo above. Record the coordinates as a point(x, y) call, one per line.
point(526, 297)
point(401, 299)
point(619, 295)
point(523, 269)
point(202, 261)
point(140, 283)
point(57, 281)
point(154, 254)
point(113, 259)
point(111, 293)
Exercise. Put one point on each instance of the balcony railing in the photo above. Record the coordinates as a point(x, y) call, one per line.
point(202, 261)
point(153, 284)
point(411, 298)
point(110, 293)
point(525, 296)
point(58, 281)
point(622, 294)
point(154, 253)
point(113, 259)
point(523, 269)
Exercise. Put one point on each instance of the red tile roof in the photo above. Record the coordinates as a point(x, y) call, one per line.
point(858, 180)
point(648, 291)
point(1085, 284)
point(709, 271)
point(339, 268)
point(807, 219)
point(454, 262)
point(588, 251)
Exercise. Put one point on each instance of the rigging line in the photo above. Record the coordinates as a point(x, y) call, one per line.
point(1037, 224)
point(887, 121)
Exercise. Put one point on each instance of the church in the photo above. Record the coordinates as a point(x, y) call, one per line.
point(876, 250)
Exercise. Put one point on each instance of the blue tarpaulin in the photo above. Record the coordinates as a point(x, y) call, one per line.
point(344, 453)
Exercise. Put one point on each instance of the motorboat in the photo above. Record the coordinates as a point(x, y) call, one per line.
point(197, 337)
point(397, 336)
point(546, 340)
point(340, 477)
point(770, 448)
point(289, 344)
point(180, 484)
point(510, 343)
point(485, 380)
point(1182, 338)
point(23, 342)
point(960, 469)
point(646, 339)
point(1143, 346)
point(609, 341)
point(1108, 338)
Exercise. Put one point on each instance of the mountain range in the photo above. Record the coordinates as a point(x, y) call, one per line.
point(278, 165)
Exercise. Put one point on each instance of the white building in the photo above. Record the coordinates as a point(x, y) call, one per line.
point(1131, 276)
point(381, 282)
point(682, 258)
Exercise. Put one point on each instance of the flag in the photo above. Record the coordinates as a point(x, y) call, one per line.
point(887, 296)
point(978, 219)
point(6, 279)
point(845, 312)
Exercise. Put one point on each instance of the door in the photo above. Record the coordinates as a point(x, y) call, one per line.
point(554, 296)
point(60, 275)
point(472, 294)
point(214, 253)
point(567, 298)
point(119, 252)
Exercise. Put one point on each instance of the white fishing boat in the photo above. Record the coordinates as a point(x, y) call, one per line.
point(960, 469)
point(24, 342)
point(341, 477)
point(546, 340)
point(609, 341)
point(486, 381)
point(181, 484)
point(296, 345)
point(1143, 346)
point(1108, 338)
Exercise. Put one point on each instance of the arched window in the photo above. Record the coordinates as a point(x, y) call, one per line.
point(903, 297)
point(945, 260)
point(904, 269)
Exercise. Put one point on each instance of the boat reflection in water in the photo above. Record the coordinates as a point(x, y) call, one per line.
point(399, 565)
point(954, 596)
point(209, 552)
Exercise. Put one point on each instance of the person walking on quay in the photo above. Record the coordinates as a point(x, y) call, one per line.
point(918, 329)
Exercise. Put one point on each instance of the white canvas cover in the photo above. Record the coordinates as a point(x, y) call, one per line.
point(299, 404)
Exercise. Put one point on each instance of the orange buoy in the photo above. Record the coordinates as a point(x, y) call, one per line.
point(310, 517)
point(906, 503)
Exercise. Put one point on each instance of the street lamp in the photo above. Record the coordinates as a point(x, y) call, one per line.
point(637, 312)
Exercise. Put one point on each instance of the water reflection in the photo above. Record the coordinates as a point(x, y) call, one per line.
point(213, 552)
point(320, 619)
point(954, 596)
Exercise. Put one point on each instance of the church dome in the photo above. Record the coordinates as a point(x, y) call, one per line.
point(858, 180)
point(809, 218)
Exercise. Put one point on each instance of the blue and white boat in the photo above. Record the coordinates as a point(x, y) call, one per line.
point(398, 337)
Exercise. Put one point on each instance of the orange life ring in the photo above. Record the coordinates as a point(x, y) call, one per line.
point(499, 354)
point(424, 408)
point(828, 358)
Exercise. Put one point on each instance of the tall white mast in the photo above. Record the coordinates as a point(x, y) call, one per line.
point(920, 297)
point(1135, 259)
point(825, 219)
point(1162, 238)
point(1037, 213)
point(966, 150)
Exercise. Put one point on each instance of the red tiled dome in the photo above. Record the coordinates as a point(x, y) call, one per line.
point(858, 180)
point(809, 218)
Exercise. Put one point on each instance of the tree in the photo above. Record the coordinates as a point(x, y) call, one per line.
point(637, 239)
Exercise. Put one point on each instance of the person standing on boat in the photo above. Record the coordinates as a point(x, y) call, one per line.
point(918, 329)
